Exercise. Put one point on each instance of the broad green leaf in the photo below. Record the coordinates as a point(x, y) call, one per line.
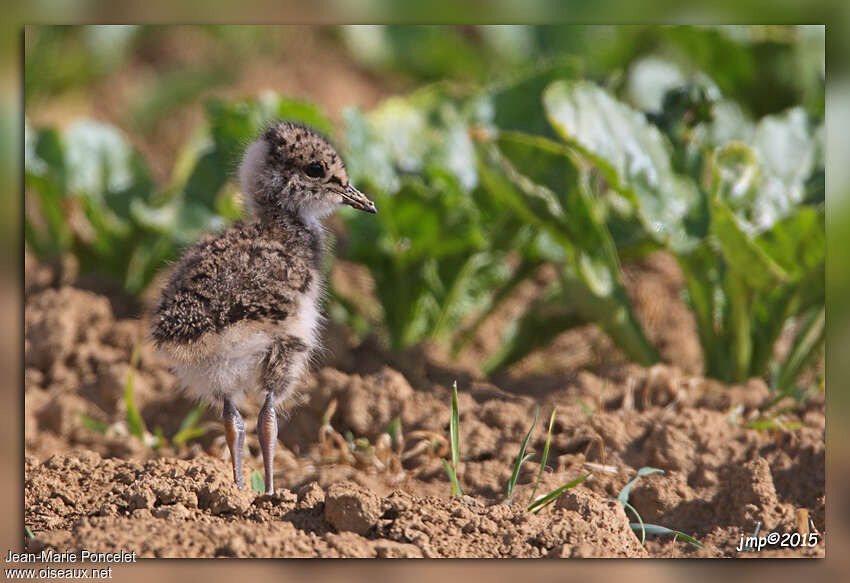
point(747, 260)
point(787, 148)
point(102, 165)
point(549, 193)
point(632, 153)
point(258, 483)
point(797, 243)
point(45, 176)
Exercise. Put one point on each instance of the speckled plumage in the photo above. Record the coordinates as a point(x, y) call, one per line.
point(240, 312)
point(252, 283)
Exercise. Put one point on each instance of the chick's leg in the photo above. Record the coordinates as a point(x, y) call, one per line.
point(267, 432)
point(234, 432)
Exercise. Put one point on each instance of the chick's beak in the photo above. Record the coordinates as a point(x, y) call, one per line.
point(354, 198)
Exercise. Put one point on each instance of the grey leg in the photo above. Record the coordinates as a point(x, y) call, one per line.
point(267, 432)
point(234, 432)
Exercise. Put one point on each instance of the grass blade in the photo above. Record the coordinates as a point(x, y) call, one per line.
point(454, 440)
point(93, 424)
point(545, 457)
point(521, 457)
point(28, 532)
point(541, 503)
point(623, 496)
point(135, 423)
point(453, 428)
point(189, 428)
point(656, 529)
point(456, 491)
point(258, 484)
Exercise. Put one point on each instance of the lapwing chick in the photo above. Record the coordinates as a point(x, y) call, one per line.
point(240, 315)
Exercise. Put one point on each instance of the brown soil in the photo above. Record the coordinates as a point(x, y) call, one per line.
point(346, 489)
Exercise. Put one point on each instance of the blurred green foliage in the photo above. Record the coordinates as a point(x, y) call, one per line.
point(706, 142)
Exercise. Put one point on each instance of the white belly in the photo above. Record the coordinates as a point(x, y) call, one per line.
point(231, 365)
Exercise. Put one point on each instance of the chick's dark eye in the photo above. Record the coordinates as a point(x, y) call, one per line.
point(314, 170)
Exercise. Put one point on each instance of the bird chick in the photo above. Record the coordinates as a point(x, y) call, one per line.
point(240, 315)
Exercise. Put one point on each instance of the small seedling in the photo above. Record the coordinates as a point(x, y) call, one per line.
point(135, 423)
point(521, 458)
point(640, 525)
point(394, 431)
point(190, 427)
point(451, 468)
point(93, 424)
point(28, 532)
point(258, 484)
point(544, 501)
point(545, 457)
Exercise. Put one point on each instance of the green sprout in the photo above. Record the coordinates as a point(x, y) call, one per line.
point(258, 484)
point(190, 428)
point(135, 423)
point(545, 457)
point(521, 458)
point(451, 468)
point(640, 525)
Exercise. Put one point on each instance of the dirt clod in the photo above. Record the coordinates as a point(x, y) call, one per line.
point(351, 507)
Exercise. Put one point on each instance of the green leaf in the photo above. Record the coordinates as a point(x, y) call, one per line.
point(451, 468)
point(454, 435)
point(634, 156)
point(797, 243)
point(456, 491)
point(45, 177)
point(102, 166)
point(545, 456)
point(258, 484)
point(746, 259)
point(544, 501)
point(549, 192)
point(521, 458)
point(655, 529)
point(787, 148)
point(135, 422)
point(640, 522)
point(189, 428)
point(93, 424)
point(623, 496)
